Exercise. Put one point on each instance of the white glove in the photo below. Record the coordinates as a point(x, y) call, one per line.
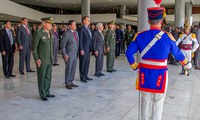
point(188, 66)
point(193, 51)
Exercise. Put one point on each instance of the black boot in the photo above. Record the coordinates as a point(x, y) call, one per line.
point(183, 71)
point(188, 72)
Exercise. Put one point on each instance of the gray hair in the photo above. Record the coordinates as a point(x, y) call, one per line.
point(99, 24)
point(43, 23)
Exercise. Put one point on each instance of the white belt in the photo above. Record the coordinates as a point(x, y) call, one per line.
point(155, 63)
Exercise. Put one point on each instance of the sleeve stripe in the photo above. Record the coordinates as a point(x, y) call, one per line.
point(134, 66)
point(184, 62)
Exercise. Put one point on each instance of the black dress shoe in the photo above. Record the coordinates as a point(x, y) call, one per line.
point(68, 86)
point(101, 74)
point(87, 78)
point(97, 75)
point(74, 85)
point(7, 76)
point(110, 71)
point(83, 80)
point(44, 99)
point(11, 75)
point(182, 73)
point(22, 73)
point(55, 64)
point(31, 71)
point(51, 96)
point(114, 70)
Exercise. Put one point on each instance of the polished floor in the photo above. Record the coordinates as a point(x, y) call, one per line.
point(112, 97)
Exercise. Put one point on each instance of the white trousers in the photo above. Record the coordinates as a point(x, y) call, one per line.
point(187, 54)
point(152, 104)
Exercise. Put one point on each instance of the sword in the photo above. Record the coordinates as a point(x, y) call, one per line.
point(139, 106)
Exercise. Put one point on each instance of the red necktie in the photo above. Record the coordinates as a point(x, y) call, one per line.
point(75, 36)
point(27, 30)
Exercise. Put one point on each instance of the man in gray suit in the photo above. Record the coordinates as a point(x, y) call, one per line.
point(69, 48)
point(55, 44)
point(24, 38)
point(98, 47)
point(197, 53)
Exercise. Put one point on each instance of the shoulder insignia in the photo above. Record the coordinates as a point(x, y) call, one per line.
point(193, 36)
point(181, 35)
point(136, 34)
point(171, 37)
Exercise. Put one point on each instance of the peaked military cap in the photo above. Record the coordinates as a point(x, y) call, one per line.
point(47, 19)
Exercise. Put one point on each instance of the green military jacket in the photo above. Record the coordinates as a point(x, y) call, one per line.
point(110, 39)
point(129, 36)
point(42, 47)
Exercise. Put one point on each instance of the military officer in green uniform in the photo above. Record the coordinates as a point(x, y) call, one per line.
point(42, 48)
point(110, 40)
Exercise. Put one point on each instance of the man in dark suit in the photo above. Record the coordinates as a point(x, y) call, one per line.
point(55, 44)
point(119, 37)
point(24, 38)
point(85, 47)
point(98, 47)
point(69, 48)
point(7, 48)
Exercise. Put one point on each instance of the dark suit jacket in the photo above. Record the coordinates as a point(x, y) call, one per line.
point(23, 38)
point(85, 41)
point(98, 41)
point(5, 44)
point(119, 34)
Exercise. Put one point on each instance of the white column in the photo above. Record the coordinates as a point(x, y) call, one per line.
point(85, 8)
point(122, 10)
point(188, 9)
point(143, 14)
point(179, 13)
point(143, 17)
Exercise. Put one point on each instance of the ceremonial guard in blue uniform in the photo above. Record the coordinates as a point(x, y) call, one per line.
point(154, 46)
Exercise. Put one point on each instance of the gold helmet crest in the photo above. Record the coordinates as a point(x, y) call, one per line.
point(187, 24)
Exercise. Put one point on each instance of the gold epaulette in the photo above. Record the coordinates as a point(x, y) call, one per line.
point(193, 36)
point(136, 35)
point(170, 36)
point(180, 35)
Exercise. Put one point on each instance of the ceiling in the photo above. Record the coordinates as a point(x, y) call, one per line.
point(4, 17)
point(196, 2)
point(100, 5)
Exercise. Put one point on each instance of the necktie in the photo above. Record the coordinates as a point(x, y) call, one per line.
point(27, 30)
point(102, 35)
point(89, 32)
point(56, 34)
point(11, 37)
point(75, 36)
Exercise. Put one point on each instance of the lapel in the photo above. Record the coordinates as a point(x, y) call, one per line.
point(6, 33)
point(101, 34)
point(73, 37)
point(87, 31)
point(25, 29)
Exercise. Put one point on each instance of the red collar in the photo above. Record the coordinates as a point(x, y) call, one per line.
point(154, 27)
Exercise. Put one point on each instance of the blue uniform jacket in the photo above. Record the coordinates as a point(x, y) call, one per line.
point(153, 78)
